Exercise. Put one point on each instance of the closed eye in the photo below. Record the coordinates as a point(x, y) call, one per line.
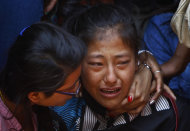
point(123, 62)
point(95, 63)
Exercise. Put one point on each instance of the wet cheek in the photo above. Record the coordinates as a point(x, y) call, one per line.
point(91, 80)
point(91, 85)
point(88, 77)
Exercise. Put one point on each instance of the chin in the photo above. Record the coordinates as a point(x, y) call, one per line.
point(111, 105)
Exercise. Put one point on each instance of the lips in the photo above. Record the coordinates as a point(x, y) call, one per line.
point(110, 92)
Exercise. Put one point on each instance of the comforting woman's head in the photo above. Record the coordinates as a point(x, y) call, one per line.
point(110, 64)
point(41, 60)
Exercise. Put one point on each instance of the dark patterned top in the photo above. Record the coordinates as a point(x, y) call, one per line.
point(85, 114)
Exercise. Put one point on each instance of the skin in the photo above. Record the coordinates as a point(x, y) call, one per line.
point(109, 66)
point(57, 99)
point(177, 63)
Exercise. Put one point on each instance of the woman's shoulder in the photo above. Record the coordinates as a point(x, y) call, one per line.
point(70, 112)
point(73, 104)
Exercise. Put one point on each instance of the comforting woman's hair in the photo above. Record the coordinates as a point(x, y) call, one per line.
point(40, 60)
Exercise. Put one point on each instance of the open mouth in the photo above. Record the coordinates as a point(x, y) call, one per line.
point(110, 91)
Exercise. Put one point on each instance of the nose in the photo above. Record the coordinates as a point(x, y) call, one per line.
point(110, 76)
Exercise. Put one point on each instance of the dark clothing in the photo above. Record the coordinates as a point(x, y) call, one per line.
point(85, 114)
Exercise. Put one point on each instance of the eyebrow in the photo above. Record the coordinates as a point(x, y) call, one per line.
point(122, 54)
point(119, 55)
point(96, 56)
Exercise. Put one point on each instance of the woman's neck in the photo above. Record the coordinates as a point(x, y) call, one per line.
point(95, 106)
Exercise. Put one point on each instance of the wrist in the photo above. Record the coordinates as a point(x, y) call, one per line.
point(144, 51)
point(144, 56)
point(145, 69)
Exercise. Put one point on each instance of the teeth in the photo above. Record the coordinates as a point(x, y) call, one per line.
point(110, 91)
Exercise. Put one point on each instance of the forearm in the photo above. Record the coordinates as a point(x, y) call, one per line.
point(177, 63)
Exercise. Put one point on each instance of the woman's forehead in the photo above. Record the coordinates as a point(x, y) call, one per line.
point(106, 33)
point(112, 43)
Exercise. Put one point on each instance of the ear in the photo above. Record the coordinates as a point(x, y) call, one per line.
point(34, 97)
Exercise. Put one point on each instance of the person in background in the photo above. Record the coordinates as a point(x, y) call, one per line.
point(164, 44)
point(42, 69)
point(180, 24)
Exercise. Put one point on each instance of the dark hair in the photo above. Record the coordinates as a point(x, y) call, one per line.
point(40, 60)
point(102, 17)
point(67, 8)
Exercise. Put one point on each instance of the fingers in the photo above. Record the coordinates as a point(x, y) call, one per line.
point(156, 73)
point(169, 91)
point(50, 6)
point(136, 106)
point(159, 81)
point(139, 91)
point(159, 85)
point(133, 108)
point(157, 92)
point(131, 93)
point(124, 102)
point(153, 87)
point(128, 99)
